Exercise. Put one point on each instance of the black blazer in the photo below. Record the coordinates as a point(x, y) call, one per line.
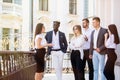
point(63, 42)
point(100, 41)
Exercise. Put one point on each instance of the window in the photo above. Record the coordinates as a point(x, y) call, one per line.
point(6, 32)
point(73, 6)
point(13, 1)
point(18, 2)
point(9, 1)
point(43, 5)
point(5, 35)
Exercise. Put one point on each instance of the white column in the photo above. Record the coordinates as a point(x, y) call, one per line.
point(80, 9)
point(0, 38)
point(116, 13)
point(112, 9)
point(35, 15)
point(0, 7)
point(91, 8)
point(107, 13)
point(12, 36)
point(53, 9)
point(26, 24)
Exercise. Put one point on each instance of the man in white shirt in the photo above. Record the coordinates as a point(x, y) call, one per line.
point(58, 39)
point(86, 31)
point(98, 49)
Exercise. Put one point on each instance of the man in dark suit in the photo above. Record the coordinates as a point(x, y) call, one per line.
point(58, 49)
point(97, 49)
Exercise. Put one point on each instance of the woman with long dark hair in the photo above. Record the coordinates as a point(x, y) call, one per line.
point(111, 41)
point(40, 44)
point(76, 44)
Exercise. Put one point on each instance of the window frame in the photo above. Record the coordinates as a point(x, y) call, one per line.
point(43, 6)
point(73, 7)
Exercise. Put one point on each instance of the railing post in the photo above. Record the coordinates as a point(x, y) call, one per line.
point(0, 69)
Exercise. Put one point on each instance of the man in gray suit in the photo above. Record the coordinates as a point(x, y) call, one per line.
point(97, 49)
point(58, 39)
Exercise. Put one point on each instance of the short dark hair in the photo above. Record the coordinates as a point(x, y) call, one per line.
point(97, 19)
point(86, 19)
point(56, 22)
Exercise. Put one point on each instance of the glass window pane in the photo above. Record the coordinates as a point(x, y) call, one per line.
point(40, 4)
point(18, 2)
point(72, 6)
point(6, 31)
point(5, 35)
point(43, 5)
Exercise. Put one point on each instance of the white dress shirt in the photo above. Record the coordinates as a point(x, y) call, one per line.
point(110, 42)
point(55, 40)
point(43, 41)
point(96, 37)
point(77, 43)
point(87, 33)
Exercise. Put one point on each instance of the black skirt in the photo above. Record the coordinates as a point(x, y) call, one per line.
point(39, 58)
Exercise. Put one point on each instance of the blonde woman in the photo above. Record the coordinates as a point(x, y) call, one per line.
point(76, 44)
point(40, 44)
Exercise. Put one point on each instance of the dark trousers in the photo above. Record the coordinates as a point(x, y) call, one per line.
point(109, 67)
point(90, 64)
point(77, 65)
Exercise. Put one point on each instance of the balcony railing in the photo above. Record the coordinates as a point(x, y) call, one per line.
point(11, 8)
point(17, 65)
point(20, 65)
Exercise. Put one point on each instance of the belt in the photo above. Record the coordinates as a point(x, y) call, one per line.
point(86, 49)
point(94, 49)
point(56, 49)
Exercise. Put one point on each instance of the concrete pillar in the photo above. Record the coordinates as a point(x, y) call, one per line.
point(107, 13)
point(80, 9)
point(115, 13)
point(0, 6)
point(26, 24)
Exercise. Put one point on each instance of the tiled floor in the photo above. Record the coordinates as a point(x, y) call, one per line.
point(68, 76)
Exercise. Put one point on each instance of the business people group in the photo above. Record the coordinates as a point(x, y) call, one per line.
point(87, 44)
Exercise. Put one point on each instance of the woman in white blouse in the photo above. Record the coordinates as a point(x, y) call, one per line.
point(40, 44)
point(111, 41)
point(76, 44)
